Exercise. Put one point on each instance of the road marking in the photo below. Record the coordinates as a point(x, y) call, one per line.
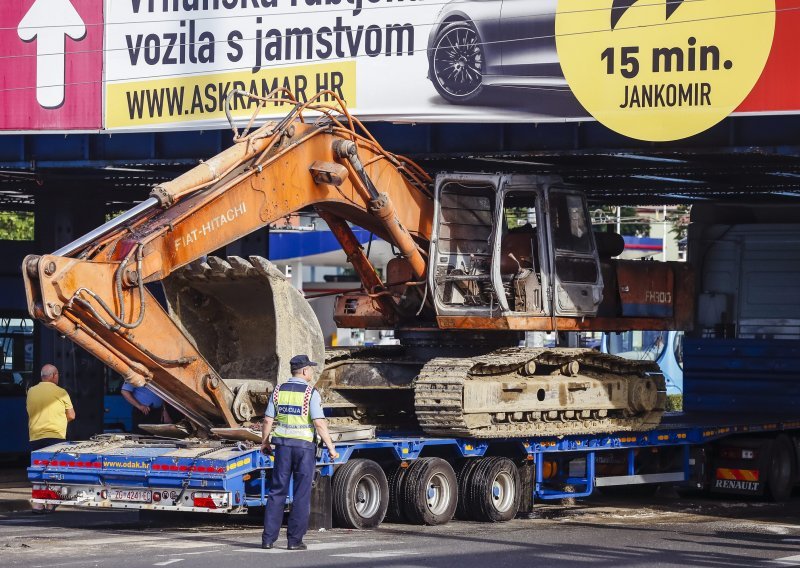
point(379, 554)
point(187, 553)
point(323, 546)
point(788, 560)
point(167, 562)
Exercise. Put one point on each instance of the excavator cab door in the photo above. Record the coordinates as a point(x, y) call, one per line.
point(520, 259)
point(462, 245)
point(574, 263)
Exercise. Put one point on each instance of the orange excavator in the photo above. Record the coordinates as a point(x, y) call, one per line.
point(481, 257)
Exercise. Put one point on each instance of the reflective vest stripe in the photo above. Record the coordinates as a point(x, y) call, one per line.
point(292, 403)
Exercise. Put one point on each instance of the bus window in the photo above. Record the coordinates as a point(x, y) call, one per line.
point(16, 355)
point(639, 345)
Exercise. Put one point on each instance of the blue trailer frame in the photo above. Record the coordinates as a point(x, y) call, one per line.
point(179, 472)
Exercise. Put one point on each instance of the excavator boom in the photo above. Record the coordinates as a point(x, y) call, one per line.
point(94, 291)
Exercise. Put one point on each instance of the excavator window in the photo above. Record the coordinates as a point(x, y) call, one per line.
point(570, 224)
point(519, 245)
point(464, 245)
point(572, 239)
point(520, 265)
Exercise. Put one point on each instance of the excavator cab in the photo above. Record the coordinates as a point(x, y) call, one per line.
point(513, 246)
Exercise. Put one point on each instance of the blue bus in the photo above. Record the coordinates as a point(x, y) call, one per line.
point(663, 347)
point(17, 376)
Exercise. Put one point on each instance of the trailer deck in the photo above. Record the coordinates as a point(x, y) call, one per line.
point(113, 471)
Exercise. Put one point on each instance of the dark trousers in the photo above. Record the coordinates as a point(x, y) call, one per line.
point(297, 464)
point(44, 442)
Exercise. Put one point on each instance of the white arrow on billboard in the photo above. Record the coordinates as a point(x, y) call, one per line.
point(49, 22)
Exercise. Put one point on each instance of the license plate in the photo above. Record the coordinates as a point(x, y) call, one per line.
point(131, 495)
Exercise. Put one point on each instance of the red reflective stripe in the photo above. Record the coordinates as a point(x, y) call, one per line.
point(45, 494)
point(206, 502)
point(307, 399)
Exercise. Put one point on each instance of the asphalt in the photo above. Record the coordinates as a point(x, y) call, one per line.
point(668, 532)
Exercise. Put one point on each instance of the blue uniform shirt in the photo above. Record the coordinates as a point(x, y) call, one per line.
point(314, 409)
point(143, 395)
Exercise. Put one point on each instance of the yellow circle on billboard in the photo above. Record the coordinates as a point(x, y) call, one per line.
point(663, 69)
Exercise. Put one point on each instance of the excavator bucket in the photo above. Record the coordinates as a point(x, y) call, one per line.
point(246, 319)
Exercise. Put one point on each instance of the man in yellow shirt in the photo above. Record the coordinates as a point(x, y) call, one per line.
point(49, 410)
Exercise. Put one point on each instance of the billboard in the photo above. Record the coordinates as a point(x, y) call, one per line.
point(652, 70)
point(51, 65)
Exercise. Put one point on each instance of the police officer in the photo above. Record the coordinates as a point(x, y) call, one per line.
point(298, 409)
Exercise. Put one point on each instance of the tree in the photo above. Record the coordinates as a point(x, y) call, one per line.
point(16, 226)
point(680, 221)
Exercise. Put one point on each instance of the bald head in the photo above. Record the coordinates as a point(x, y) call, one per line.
point(50, 373)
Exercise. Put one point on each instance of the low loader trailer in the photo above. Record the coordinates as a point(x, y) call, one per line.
point(429, 480)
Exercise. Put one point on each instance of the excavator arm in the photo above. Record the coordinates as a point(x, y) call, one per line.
point(94, 291)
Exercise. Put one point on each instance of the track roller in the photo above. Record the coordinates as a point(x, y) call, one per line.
point(360, 495)
point(489, 490)
point(429, 492)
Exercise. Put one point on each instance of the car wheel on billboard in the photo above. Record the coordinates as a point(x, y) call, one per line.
point(457, 63)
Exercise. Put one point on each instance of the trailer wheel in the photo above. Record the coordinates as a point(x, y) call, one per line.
point(464, 477)
point(430, 492)
point(360, 495)
point(395, 513)
point(781, 473)
point(493, 490)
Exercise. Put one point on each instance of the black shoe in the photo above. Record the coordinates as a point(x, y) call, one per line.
point(267, 546)
point(298, 546)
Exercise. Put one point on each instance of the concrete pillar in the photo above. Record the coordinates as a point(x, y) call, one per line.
point(294, 272)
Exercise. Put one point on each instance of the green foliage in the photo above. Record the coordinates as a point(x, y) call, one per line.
point(674, 402)
point(680, 221)
point(16, 226)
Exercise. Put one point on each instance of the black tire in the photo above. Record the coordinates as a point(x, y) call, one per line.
point(430, 492)
point(464, 471)
point(493, 490)
point(456, 63)
point(781, 473)
point(360, 495)
point(395, 513)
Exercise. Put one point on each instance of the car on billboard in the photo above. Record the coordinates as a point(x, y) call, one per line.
point(477, 44)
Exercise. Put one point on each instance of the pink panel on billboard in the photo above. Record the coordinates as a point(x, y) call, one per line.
point(51, 64)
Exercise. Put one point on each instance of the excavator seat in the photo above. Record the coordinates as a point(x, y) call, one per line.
point(524, 246)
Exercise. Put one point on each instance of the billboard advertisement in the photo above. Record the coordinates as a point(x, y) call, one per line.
point(51, 65)
point(653, 70)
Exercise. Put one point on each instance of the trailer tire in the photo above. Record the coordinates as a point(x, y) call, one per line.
point(430, 492)
point(493, 490)
point(360, 495)
point(781, 473)
point(463, 477)
point(395, 513)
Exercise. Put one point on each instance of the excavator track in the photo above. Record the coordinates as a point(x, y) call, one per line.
point(445, 394)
